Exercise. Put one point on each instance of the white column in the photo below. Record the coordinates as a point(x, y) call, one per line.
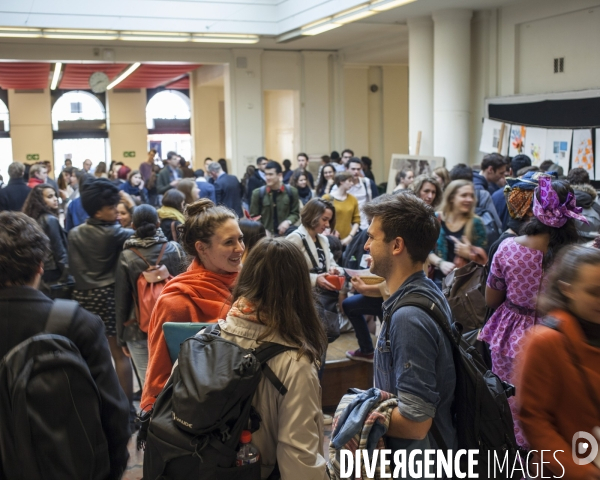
point(244, 140)
point(420, 84)
point(451, 85)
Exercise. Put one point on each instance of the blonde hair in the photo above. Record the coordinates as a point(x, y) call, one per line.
point(447, 204)
point(444, 175)
point(202, 219)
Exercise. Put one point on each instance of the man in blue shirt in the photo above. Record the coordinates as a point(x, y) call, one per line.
point(418, 365)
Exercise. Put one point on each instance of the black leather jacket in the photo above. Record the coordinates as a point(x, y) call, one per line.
point(129, 268)
point(94, 249)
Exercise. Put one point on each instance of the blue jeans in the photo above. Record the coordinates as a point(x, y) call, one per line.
point(355, 307)
point(139, 357)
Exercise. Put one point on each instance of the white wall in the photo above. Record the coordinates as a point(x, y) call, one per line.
point(513, 48)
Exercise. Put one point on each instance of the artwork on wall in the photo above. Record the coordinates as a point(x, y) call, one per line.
point(534, 145)
point(490, 137)
point(418, 164)
point(517, 139)
point(583, 153)
point(558, 147)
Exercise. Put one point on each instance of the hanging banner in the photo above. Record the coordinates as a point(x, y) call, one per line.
point(583, 153)
point(490, 137)
point(535, 145)
point(517, 139)
point(558, 147)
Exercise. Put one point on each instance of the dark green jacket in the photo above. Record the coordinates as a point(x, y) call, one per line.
point(286, 210)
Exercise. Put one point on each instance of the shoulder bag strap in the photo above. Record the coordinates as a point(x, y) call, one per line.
point(60, 317)
point(136, 251)
point(162, 252)
point(308, 252)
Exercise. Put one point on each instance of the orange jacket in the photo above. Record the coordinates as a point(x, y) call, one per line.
point(553, 400)
point(197, 295)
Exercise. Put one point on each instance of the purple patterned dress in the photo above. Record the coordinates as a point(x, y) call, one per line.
point(518, 271)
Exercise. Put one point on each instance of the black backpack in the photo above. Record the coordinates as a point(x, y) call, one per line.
point(50, 408)
point(354, 251)
point(481, 411)
point(197, 419)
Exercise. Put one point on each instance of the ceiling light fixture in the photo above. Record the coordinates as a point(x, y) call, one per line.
point(354, 14)
point(320, 27)
point(20, 32)
point(123, 76)
point(383, 5)
point(224, 38)
point(71, 34)
point(126, 35)
point(154, 36)
point(56, 76)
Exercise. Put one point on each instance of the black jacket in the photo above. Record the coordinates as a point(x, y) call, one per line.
point(23, 313)
point(163, 180)
point(254, 182)
point(57, 263)
point(12, 197)
point(94, 249)
point(229, 193)
point(129, 268)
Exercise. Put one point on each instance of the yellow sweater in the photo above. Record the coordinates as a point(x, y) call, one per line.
point(346, 214)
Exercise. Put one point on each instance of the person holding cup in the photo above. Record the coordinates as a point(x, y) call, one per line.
point(326, 276)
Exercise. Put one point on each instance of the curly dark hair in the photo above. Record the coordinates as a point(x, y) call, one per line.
point(23, 248)
point(559, 237)
point(34, 205)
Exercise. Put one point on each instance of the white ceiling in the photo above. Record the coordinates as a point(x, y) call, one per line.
point(379, 39)
point(261, 17)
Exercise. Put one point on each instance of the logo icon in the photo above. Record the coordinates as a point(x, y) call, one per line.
point(588, 447)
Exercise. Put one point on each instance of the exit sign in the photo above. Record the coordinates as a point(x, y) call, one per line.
point(129, 154)
point(32, 156)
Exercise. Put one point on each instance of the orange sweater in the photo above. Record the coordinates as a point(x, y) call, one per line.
point(553, 400)
point(197, 295)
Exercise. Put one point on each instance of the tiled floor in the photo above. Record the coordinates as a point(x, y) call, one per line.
point(336, 351)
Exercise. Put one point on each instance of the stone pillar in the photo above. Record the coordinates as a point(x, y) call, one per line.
point(451, 85)
point(420, 81)
point(244, 141)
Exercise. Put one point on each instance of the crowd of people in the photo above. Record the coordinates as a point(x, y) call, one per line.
point(264, 256)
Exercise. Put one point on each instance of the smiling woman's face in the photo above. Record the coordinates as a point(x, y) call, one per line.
point(224, 253)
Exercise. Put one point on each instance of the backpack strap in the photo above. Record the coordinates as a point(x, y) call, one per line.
point(61, 315)
point(137, 252)
point(265, 353)
point(174, 230)
point(434, 311)
point(160, 255)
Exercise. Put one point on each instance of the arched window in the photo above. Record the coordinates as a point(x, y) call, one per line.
point(4, 116)
point(167, 105)
point(77, 105)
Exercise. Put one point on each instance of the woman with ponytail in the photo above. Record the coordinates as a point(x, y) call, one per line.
point(148, 241)
point(210, 235)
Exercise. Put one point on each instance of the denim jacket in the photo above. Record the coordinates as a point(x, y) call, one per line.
point(419, 365)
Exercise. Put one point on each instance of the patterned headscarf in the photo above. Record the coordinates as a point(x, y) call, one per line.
point(548, 208)
point(518, 201)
